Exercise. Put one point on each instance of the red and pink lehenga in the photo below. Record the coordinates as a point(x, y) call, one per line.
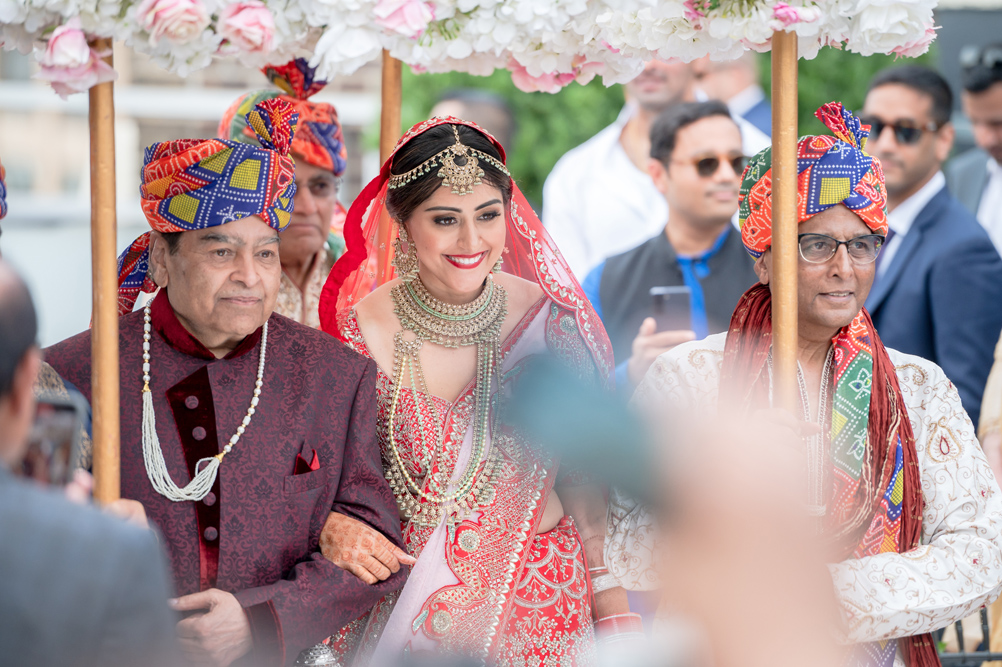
point(485, 586)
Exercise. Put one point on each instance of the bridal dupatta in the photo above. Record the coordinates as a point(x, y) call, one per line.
point(468, 593)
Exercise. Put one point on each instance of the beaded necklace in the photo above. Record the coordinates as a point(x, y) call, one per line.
point(452, 326)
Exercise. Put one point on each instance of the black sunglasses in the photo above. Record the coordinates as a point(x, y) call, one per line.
point(708, 166)
point(980, 67)
point(904, 132)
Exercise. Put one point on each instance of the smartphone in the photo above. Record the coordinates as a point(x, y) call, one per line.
point(671, 308)
point(54, 442)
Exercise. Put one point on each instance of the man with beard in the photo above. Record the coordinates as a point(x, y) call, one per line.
point(939, 278)
point(695, 162)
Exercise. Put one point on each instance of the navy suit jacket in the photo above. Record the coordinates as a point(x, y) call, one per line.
point(941, 296)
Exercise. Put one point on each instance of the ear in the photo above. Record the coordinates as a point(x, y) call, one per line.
point(944, 141)
point(23, 387)
point(158, 259)
point(659, 174)
point(763, 265)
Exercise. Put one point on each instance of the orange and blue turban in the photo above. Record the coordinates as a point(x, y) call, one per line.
point(192, 184)
point(831, 170)
point(319, 140)
point(3, 192)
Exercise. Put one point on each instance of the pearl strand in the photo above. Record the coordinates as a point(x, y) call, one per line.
point(156, 467)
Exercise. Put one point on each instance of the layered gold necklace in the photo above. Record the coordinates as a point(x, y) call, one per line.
point(453, 326)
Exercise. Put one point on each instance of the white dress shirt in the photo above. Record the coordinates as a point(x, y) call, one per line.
point(597, 203)
point(901, 218)
point(990, 208)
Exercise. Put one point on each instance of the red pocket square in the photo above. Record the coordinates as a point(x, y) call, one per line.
point(303, 467)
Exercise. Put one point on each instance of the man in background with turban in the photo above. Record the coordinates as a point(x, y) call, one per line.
point(241, 430)
point(313, 240)
point(897, 491)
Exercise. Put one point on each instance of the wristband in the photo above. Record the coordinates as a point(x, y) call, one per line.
point(603, 582)
point(619, 626)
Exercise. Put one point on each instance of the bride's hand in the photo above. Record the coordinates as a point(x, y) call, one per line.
point(356, 547)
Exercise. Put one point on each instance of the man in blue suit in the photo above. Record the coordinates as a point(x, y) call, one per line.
point(938, 291)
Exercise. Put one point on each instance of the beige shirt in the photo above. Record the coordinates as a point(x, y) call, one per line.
point(303, 306)
point(991, 402)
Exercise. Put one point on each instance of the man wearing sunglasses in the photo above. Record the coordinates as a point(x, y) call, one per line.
point(975, 177)
point(939, 278)
point(696, 161)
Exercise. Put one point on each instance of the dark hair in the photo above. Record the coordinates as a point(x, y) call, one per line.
point(401, 202)
point(172, 239)
point(922, 80)
point(980, 67)
point(18, 328)
point(665, 130)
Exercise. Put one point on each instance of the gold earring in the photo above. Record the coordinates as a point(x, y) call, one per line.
point(406, 263)
point(498, 264)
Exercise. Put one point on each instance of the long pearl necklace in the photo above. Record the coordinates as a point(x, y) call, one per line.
point(153, 456)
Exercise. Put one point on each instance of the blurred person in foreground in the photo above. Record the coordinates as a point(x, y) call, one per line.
point(736, 83)
point(77, 587)
point(696, 162)
point(241, 429)
point(938, 285)
point(896, 483)
point(975, 177)
point(314, 238)
point(508, 540)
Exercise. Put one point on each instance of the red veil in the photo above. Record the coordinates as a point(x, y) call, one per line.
point(529, 253)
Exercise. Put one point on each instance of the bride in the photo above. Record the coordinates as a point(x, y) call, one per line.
point(508, 543)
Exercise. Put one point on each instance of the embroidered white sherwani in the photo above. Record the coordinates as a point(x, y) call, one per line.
point(956, 569)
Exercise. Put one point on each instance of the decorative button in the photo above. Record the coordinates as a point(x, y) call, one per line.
point(209, 499)
point(198, 433)
point(210, 534)
point(191, 402)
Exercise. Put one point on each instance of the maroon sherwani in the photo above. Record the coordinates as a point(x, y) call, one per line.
point(256, 534)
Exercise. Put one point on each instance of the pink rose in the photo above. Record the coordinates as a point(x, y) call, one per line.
point(544, 83)
point(247, 25)
point(407, 17)
point(180, 21)
point(919, 46)
point(784, 15)
point(70, 64)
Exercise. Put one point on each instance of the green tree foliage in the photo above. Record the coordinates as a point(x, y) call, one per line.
point(548, 125)
point(835, 76)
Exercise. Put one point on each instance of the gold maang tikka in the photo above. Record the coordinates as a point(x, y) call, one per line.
point(462, 178)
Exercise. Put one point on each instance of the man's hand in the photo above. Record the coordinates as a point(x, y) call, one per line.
point(217, 637)
point(131, 511)
point(649, 344)
point(356, 547)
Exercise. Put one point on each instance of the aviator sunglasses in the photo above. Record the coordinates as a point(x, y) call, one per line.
point(708, 166)
point(905, 132)
point(819, 248)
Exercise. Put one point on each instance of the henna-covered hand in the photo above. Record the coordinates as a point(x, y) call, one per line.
point(360, 549)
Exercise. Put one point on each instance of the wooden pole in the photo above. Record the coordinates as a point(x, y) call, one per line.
point(389, 133)
point(785, 255)
point(104, 332)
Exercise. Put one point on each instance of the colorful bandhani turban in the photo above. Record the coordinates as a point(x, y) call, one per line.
point(192, 184)
point(3, 192)
point(319, 139)
point(831, 170)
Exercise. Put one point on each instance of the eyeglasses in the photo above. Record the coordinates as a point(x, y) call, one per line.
point(904, 131)
point(708, 166)
point(980, 67)
point(819, 248)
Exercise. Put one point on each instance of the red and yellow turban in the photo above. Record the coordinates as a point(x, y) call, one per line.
point(193, 184)
point(319, 139)
point(831, 171)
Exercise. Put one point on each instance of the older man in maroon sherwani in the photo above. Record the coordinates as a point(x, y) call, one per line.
point(254, 428)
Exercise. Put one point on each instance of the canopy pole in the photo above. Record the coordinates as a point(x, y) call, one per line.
point(104, 332)
point(785, 254)
point(389, 133)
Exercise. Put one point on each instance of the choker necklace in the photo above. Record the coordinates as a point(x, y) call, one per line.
point(453, 326)
point(153, 456)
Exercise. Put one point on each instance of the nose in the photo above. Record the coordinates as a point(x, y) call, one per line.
point(303, 202)
point(884, 141)
point(841, 263)
point(245, 269)
point(468, 235)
